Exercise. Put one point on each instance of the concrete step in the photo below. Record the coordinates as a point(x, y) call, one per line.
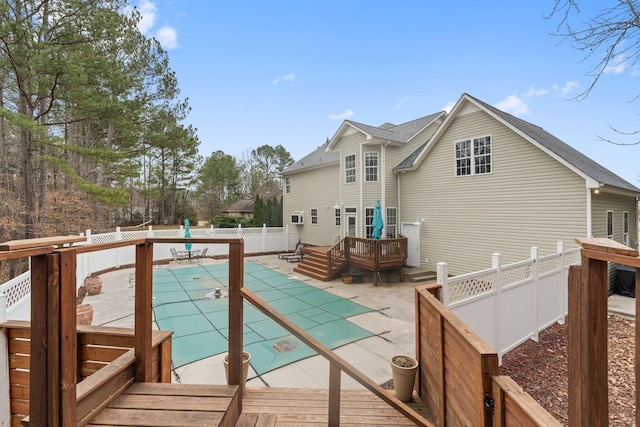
point(417, 275)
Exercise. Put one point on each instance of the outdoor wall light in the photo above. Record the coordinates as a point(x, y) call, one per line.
point(336, 206)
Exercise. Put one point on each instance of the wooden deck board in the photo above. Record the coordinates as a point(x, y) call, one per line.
point(158, 404)
point(308, 407)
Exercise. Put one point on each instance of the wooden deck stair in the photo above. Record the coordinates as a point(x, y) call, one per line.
point(418, 275)
point(315, 264)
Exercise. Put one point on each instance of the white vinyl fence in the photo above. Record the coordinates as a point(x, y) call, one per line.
point(15, 302)
point(508, 304)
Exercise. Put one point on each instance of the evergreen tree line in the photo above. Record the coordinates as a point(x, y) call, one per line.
point(92, 131)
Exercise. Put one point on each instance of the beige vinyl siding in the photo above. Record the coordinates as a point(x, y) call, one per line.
point(350, 145)
point(602, 202)
point(316, 188)
point(395, 154)
point(529, 199)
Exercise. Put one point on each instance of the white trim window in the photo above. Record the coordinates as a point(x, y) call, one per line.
point(287, 184)
point(625, 228)
point(609, 224)
point(338, 214)
point(368, 222)
point(350, 168)
point(391, 226)
point(371, 166)
point(473, 156)
point(314, 216)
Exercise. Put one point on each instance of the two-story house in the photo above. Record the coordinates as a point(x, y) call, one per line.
point(459, 186)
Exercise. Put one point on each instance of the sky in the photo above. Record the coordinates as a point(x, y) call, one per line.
point(289, 72)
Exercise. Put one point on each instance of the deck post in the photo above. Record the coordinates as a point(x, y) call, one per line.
point(334, 394)
point(68, 341)
point(41, 399)
point(588, 369)
point(236, 319)
point(143, 312)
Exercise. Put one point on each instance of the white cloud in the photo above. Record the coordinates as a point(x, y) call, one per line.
point(447, 108)
point(568, 87)
point(167, 37)
point(615, 69)
point(342, 116)
point(147, 12)
point(514, 105)
point(535, 92)
point(287, 77)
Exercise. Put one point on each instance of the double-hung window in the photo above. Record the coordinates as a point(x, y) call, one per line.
point(350, 168)
point(368, 221)
point(392, 223)
point(610, 224)
point(473, 156)
point(287, 184)
point(371, 167)
point(338, 217)
point(314, 216)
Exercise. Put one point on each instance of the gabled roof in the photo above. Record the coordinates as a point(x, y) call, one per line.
point(558, 149)
point(388, 132)
point(240, 206)
point(318, 158)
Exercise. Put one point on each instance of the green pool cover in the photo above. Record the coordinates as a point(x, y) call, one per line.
point(183, 303)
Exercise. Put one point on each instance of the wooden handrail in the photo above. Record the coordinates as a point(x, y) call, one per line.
point(336, 362)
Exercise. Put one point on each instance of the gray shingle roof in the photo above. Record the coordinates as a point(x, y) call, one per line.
point(400, 133)
point(563, 150)
point(315, 159)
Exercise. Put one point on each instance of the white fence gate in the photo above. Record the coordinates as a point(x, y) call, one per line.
point(506, 305)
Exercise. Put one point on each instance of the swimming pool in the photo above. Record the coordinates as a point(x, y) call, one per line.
point(183, 303)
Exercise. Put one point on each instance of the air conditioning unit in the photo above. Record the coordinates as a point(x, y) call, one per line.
point(297, 217)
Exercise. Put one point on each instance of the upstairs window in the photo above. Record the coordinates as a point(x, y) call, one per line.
point(350, 168)
point(473, 156)
point(314, 216)
point(287, 184)
point(371, 167)
point(610, 224)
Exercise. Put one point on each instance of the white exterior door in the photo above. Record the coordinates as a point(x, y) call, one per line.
point(350, 224)
point(412, 232)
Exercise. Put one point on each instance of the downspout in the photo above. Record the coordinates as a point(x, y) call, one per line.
point(589, 224)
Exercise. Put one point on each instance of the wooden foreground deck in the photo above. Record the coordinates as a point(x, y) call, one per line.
point(158, 404)
point(309, 407)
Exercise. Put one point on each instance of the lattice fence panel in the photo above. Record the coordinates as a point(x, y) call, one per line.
point(516, 274)
point(16, 289)
point(471, 287)
point(548, 265)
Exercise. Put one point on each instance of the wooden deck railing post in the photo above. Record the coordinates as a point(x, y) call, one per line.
point(41, 397)
point(143, 312)
point(68, 343)
point(588, 369)
point(334, 394)
point(236, 313)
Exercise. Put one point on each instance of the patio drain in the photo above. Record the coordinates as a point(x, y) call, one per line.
point(284, 346)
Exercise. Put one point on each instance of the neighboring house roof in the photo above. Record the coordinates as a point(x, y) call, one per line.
point(240, 206)
point(568, 155)
point(318, 158)
point(245, 206)
point(398, 134)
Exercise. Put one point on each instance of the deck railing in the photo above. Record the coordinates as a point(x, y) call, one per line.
point(54, 344)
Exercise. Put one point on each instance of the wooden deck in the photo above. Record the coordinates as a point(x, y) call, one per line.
point(309, 407)
point(157, 404)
